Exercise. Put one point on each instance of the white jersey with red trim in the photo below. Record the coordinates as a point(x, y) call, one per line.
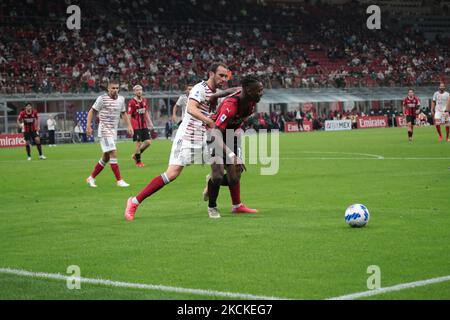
point(192, 131)
point(109, 111)
point(441, 100)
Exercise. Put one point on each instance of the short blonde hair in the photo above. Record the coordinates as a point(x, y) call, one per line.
point(138, 86)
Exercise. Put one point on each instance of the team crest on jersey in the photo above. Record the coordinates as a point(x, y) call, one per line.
point(223, 118)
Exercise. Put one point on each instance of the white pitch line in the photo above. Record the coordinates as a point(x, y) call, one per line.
point(376, 156)
point(347, 158)
point(163, 288)
point(397, 287)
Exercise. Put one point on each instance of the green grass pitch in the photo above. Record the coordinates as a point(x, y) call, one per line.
point(297, 247)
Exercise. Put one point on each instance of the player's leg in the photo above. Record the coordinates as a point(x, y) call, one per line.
point(146, 141)
point(157, 183)
point(214, 182)
point(37, 141)
point(137, 153)
point(137, 138)
point(145, 145)
point(447, 127)
point(437, 121)
point(27, 146)
point(172, 172)
point(234, 184)
point(140, 150)
point(115, 168)
point(100, 165)
point(409, 125)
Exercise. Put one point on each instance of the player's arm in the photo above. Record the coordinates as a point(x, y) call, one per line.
point(174, 113)
point(20, 119)
point(37, 125)
point(224, 93)
point(92, 113)
point(418, 106)
point(149, 120)
point(404, 107)
point(433, 105)
point(126, 118)
point(193, 109)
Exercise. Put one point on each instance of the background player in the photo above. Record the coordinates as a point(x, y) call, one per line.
point(231, 115)
point(29, 119)
point(411, 106)
point(189, 143)
point(439, 110)
point(181, 103)
point(109, 108)
point(140, 119)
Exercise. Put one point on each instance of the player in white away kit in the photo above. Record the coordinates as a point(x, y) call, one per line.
point(440, 108)
point(189, 145)
point(109, 107)
point(181, 103)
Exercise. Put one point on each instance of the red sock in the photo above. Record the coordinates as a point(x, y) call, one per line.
point(235, 192)
point(115, 169)
point(438, 128)
point(447, 130)
point(156, 184)
point(98, 168)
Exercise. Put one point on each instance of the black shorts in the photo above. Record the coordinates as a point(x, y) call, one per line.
point(30, 136)
point(141, 135)
point(410, 119)
point(236, 147)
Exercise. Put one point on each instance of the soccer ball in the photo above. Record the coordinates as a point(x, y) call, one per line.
point(357, 216)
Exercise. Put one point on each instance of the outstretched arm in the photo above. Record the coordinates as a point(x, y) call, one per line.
point(224, 93)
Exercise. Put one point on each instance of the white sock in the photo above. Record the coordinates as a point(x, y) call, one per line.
point(134, 200)
point(235, 206)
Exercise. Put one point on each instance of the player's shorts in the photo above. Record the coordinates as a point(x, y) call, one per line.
point(411, 119)
point(108, 144)
point(141, 135)
point(441, 118)
point(30, 136)
point(235, 146)
point(181, 155)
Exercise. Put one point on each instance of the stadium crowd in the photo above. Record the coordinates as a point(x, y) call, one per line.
point(165, 45)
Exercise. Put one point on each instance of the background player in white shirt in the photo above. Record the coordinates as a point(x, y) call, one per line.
point(109, 108)
point(440, 110)
point(181, 103)
point(189, 144)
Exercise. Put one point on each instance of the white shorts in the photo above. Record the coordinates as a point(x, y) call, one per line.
point(181, 155)
point(441, 117)
point(108, 144)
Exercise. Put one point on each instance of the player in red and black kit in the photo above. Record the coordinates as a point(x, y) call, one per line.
point(30, 120)
point(141, 122)
point(231, 115)
point(411, 105)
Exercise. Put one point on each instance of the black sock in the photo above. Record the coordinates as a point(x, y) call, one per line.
point(142, 150)
point(410, 134)
point(138, 157)
point(213, 193)
point(28, 150)
point(39, 147)
point(224, 180)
